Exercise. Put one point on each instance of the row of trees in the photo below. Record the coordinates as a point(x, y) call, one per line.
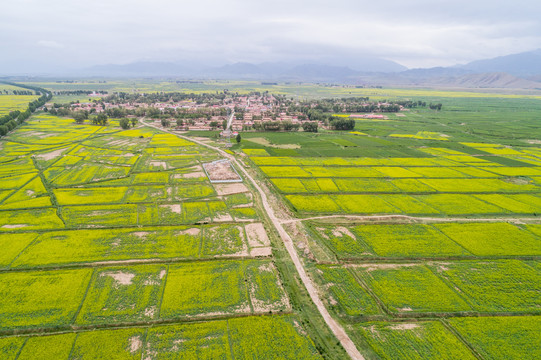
point(22, 92)
point(81, 116)
point(276, 126)
point(339, 123)
point(14, 118)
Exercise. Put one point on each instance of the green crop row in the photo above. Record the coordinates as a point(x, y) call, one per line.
point(58, 248)
point(426, 241)
point(449, 204)
point(455, 287)
point(139, 293)
point(271, 337)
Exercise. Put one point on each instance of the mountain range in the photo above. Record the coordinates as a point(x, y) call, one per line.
point(519, 71)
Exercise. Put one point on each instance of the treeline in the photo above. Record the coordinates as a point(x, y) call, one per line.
point(8, 122)
point(151, 98)
point(211, 98)
point(339, 123)
point(20, 92)
point(14, 118)
point(435, 106)
point(309, 126)
point(150, 112)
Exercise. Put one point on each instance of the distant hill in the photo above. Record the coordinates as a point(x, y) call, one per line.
point(523, 64)
point(245, 70)
point(488, 80)
point(517, 71)
point(448, 77)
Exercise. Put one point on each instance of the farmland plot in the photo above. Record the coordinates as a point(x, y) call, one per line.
point(408, 240)
point(219, 288)
point(345, 294)
point(492, 239)
point(499, 285)
point(416, 340)
point(41, 299)
point(123, 294)
point(501, 337)
point(411, 288)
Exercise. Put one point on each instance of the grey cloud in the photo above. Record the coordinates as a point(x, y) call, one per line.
point(416, 33)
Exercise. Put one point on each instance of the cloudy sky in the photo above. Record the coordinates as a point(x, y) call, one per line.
point(44, 35)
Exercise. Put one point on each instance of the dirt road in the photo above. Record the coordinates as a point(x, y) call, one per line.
point(335, 327)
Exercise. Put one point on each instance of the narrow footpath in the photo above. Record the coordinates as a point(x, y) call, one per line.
point(335, 327)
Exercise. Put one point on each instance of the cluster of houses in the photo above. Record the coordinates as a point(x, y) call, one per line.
point(249, 111)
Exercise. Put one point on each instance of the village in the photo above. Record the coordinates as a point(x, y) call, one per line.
point(252, 112)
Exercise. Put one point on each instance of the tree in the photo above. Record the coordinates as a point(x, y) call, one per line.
point(289, 126)
point(180, 122)
point(11, 125)
point(3, 130)
point(133, 122)
point(338, 123)
point(79, 117)
point(124, 123)
point(213, 124)
point(165, 122)
point(102, 119)
point(238, 138)
point(271, 126)
point(310, 126)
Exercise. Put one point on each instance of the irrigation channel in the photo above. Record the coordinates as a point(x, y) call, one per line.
point(335, 327)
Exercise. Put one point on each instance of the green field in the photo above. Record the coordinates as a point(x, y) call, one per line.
point(419, 231)
point(108, 227)
point(272, 337)
point(417, 340)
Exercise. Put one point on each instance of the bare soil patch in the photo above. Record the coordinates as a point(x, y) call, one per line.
point(50, 155)
point(135, 344)
point(340, 231)
point(141, 234)
point(161, 164)
point(174, 208)
point(405, 326)
point(261, 251)
point(191, 231)
point(265, 142)
point(518, 180)
point(149, 312)
point(257, 236)
point(194, 175)
point(221, 170)
point(14, 226)
point(230, 189)
point(120, 277)
point(224, 217)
